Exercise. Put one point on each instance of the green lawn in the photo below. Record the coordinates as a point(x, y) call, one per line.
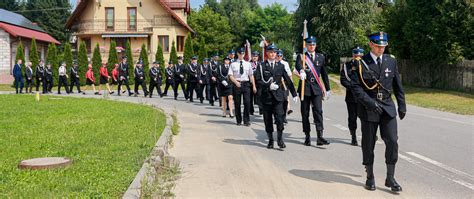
point(107, 141)
point(451, 101)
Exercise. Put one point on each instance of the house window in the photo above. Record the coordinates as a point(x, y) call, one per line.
point(180, 44)
point(132, 19)
point(164, 42)
point(109, 19)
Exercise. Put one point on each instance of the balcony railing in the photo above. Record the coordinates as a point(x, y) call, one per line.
point(122, 25)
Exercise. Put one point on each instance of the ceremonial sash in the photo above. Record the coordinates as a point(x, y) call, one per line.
point(310, 64)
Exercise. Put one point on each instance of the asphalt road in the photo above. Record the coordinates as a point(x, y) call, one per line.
point(220, 159)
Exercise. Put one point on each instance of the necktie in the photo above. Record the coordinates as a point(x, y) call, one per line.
point(271, 65)
point(241, 68)
point(311, 56)
point(379, 64)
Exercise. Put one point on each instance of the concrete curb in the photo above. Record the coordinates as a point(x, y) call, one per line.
point(157, 155)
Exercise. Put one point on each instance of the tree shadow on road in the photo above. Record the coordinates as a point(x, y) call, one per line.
point(328, 176)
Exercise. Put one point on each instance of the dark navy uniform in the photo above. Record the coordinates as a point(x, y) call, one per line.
point(155, 79)
point(351, 102)
point(140, 78)
point(373, 83)
point(123, 76)
point(179, 72)
point(213, 88)
point(18, 77)
point(29, 77)
point(193, 72)
point(204, 80)
point(39, 75)
point(313, 93)
point(225, 85)
point(49, 78)
point(169, 78)
point(74, 72)
point(268, 77)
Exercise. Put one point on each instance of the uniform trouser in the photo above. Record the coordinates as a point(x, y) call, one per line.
point(270, 111)
point(154, 85)
point(313, 102)
point(140, 82)
point(63, 82)
point(252, 100)
point(75, 82)
point(19, 83)
point(212, 92)
point(244, 91)
point(388, 132)
point(167, 86)
point(29, 84)
point(177, 83)
point(203, 88)
point(191, 88)
point(352, 115)
point(49, 84)
point(120, 85)
point(38, 82)
point(45, 85)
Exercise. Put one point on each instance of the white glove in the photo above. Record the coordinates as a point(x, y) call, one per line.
point(182, 76)
point(274, 86)
point(296, 99)
point(328, 94)
point(224, 83)
point(302, 75)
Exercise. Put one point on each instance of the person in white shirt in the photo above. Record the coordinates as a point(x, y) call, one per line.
point(241, 74)
point(62, 80)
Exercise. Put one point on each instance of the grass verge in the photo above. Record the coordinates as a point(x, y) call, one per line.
point(107, 141)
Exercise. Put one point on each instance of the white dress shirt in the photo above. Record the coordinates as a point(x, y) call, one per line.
point(374, 57)
point(235, 70)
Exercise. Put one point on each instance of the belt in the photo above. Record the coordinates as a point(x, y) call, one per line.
point(380, 96)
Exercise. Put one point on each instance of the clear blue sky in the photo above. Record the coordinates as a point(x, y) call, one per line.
point(289, 4)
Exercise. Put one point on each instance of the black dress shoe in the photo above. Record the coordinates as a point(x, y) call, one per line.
point(281, 144)
point(307, 142)
point(270, 145)
point(290, 112)
point(246, 124)
point(390, 180)
point(239, 124)
point(307, 139)
point(321, 141)
point(370, 184)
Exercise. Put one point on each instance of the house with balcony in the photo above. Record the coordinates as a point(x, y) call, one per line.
point(149, 22)
point(15, 28)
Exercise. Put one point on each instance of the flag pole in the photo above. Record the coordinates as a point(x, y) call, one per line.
point(305, 35)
